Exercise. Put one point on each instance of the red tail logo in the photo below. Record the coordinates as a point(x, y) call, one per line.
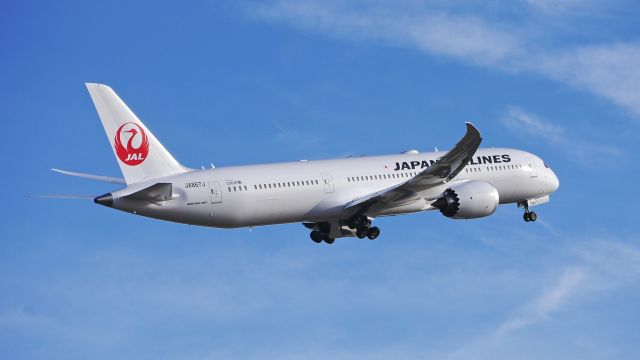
point(137, 147)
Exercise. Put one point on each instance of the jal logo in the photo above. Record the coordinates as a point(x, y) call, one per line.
point(137, 144)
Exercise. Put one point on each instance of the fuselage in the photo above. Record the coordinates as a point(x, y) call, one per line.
point(315, 191)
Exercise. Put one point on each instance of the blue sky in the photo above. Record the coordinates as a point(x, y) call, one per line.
point(254, 82)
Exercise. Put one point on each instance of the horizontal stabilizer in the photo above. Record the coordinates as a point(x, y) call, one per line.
point(108, 179)
point(153, 193)
point(62, 196)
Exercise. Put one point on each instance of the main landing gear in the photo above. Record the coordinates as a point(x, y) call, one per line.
point(318, 237)
point(327, 232)
point(529, 216)
point(372, 233)
point(363, 228)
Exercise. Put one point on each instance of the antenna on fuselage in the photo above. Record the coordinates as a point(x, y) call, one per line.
point(213, 167)
point(435, 147)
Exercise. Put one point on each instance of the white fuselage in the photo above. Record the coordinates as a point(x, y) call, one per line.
point(314, 191)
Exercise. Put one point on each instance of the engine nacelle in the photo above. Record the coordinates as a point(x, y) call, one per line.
point(469, 200)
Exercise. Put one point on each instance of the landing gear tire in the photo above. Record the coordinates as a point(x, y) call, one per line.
point(530, 216)
point(316, 236)
point(361, 233)
point(533, 216)
point(373, 233)
point(329, 240)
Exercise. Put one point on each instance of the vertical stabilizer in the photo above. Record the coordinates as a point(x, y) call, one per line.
point(140, 155)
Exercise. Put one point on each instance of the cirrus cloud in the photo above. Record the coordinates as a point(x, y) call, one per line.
point(604, 69)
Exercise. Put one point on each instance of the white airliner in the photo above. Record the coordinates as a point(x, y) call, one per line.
point(333, 198)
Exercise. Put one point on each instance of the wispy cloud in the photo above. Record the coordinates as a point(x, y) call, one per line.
point(607, 70)
point(550, 300)
point(598, 266)
point(560, 7)
point(539, 309)
point(436, 32)
point(604, 69)
point(580, 150)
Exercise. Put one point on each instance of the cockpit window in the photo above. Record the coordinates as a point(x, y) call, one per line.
point(545, 165)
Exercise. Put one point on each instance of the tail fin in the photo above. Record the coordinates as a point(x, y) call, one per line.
point(140, 155)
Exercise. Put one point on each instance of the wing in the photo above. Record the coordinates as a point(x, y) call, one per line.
point(108, 179)
point(445, 169)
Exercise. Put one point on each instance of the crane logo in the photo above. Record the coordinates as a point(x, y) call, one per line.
point(137, 148)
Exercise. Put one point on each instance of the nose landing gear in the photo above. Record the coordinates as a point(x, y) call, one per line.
point(529, 216)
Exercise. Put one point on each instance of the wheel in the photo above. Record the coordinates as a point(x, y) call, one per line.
point(373, 233)
point(533, 216)
point(361, 233)
point(316, 236)
point(329, 240)
point(526, 217)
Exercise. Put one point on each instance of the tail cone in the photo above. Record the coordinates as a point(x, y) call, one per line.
point(106, 200)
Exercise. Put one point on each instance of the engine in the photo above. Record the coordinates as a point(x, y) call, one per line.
point(469, 200)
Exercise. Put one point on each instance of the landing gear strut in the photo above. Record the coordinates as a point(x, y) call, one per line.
point(529, 215)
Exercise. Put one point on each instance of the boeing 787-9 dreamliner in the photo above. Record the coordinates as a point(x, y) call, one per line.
point(332, 198)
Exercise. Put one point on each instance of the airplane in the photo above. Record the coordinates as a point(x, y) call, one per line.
point(333, 198)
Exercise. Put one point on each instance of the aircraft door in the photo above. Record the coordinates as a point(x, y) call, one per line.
point(327, 180)
point(532, 165)
point(215, 192)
